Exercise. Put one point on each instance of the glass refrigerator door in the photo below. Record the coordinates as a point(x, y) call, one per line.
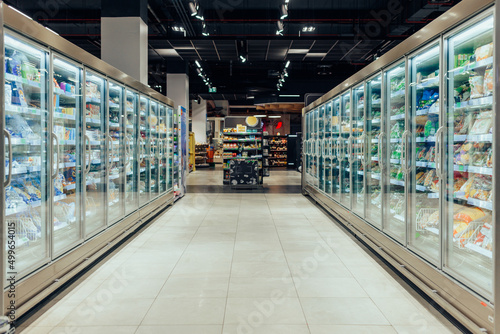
point(395, 105)
point(316, 145)
point(374, 137)
point(162, 153)
point(335, 149)
point(327, 174)
point(117, 156)
point(155, 145)
point(345, 148)
point(26, 165)
point(321, 157)
point(424, 182)
point(144, 149)
point(170, 146)
point(68, 128)
point(469, 150)
point(95, 140)
point(307, 149)
point(131, 163)
point(358, 149)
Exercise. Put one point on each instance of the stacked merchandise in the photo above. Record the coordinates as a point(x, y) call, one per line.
point(241, 145)
point(201, 155)
point(277, 151)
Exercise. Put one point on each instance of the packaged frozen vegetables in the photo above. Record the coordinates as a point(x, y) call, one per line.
point(484, 236)
point(484, 52)
point(468, 214)
point(483, 123)
point(462, 155)
point(488, 82)
point(481, 187)
point(476, 86)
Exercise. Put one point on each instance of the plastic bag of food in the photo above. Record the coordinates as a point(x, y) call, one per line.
point(483, 124)
point(489, 159)
point(484, 233)
point(481, 187)
point(476, 86)
point(459, 227)
point(465, 189)
point(431, 154)
point(484, 52)
point(469, 214)
point(429, 178)
point(488, 82)
point(468, 120)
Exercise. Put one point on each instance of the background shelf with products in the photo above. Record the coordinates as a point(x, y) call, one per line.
point(277, 150)
point(246, 145)
point(201, 157)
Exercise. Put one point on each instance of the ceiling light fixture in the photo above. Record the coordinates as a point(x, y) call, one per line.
point(199, 15)
point(260, 116)
point(193, 7)
point(281, 28)
point(274, 116)
point(308, 29)
point(287, 64)
point(178, 28)
point(199, 71)
point(197, 63)
point(283, 11)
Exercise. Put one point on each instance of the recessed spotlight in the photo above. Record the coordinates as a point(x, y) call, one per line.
point(283, 11)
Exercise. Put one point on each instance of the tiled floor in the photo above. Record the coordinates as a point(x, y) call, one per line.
point(244, 264)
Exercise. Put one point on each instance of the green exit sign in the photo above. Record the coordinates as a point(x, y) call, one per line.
point(212, 89)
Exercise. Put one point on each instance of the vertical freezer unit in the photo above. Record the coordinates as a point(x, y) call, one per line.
point(406, 159)
point(87, 156)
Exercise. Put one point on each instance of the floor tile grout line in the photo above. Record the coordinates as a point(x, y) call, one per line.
point(289, 270)
point(168, 277)
point(231, 268)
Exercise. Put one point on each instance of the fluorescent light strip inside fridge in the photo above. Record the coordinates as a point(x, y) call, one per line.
point(14, 43)
point(474, 31)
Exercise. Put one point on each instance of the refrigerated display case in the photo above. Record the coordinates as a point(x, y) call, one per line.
point(345, 149)
point(396, 142)
point(171, 145)
point(426, 132)
point(358, 150)
point(327, 144)
point(335, 145)
point(26, 116)
point(424, 177)
point(144, 152)
point(374, 140)
point(131, 153)
point(468, 169)
point(117, 155)
point(70, 157)
point(95, 149)
point(68, 178)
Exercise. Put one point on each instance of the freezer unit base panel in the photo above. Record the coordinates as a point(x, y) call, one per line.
point(39, 285)
point(472, 311)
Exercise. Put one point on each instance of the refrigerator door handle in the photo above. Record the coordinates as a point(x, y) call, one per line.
point(439, 167)
point(9, 177)
point(143, 150)
point(379, 151)
point(111, 152)
point(404, 153)
point(87, 151)
point(54, 136)
point(363, 144)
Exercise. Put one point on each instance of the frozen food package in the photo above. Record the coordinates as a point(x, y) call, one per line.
point(483, 124)
point(481, 187)
point(465, 189)
point(476, 86)
point(485, 232)
point(464, 238)
point(484, 52)
point(459, 182)
point(468, 121)
point(469, 214)
point(488, 82)
point(429, 178)
point(489, 159)
point(433, 219)
point(459, 227)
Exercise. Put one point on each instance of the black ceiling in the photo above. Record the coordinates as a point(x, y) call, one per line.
point(347, 36)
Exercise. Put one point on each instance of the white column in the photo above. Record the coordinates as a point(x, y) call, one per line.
point(124, 44)
point(178, 89)
point(199, 121)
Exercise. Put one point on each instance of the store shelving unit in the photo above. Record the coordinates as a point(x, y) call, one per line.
point(277, 151)
point(242, 146)
point(84, 156)
point(201, 156)
point(411, 171)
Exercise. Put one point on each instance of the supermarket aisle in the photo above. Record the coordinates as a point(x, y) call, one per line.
point(240, 263)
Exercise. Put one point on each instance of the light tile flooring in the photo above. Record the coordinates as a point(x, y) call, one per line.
point(240, 264)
